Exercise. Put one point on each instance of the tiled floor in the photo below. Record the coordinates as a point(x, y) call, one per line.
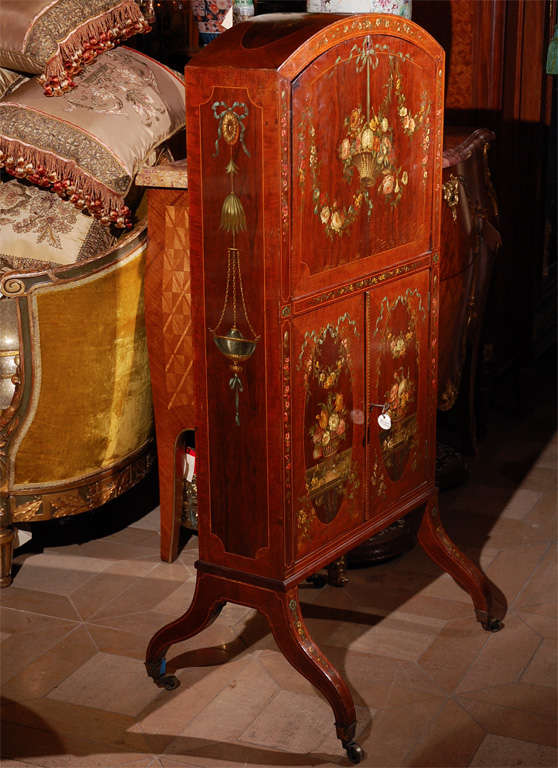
point(431, 687)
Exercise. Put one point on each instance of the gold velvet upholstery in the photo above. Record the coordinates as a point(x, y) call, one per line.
point(75, 410)
point(94, 395)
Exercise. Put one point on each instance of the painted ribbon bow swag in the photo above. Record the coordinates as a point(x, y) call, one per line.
point(235, 345)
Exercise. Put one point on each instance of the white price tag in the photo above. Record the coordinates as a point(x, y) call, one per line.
point(384, 421)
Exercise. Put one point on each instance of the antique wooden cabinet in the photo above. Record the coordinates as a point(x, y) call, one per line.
point(314, 172)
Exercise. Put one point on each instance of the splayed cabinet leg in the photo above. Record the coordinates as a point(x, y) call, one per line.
point(490, 604)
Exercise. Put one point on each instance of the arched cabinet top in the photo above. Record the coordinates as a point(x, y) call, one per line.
point(289, 42)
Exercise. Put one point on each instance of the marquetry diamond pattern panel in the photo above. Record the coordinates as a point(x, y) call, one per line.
point(176, 301)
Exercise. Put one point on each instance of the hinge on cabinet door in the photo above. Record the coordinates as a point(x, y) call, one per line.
point(429, 298)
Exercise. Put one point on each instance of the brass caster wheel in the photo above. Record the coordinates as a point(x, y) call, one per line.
point(157, 670)
point(355, 752)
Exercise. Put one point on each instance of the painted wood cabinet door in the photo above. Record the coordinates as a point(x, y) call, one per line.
point(328, 423)
point(400, 436)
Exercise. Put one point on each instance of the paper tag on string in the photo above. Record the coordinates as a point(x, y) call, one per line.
point(384, 421)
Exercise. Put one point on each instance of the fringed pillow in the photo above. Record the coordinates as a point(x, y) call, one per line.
point(56, 38)
point(38, 230)
point(88, 145)
point(10, 80)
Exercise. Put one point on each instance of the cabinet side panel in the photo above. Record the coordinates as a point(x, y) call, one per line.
point(231, 139)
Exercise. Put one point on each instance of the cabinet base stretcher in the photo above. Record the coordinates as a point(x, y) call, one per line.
point(281, 608)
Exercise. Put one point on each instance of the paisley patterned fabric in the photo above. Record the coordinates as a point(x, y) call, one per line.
point(56, 38)
point(88, 144)
point(38, 230)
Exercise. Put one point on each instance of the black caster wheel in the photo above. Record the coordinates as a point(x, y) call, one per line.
point(168, 682)
point(158, 671)
point(492, 625)
point(355, 752)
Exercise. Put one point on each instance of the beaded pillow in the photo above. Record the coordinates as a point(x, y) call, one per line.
point(38, 230)
point(88, 144)
point(55, 38)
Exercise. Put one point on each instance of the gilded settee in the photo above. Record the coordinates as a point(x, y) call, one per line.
point(76, 426)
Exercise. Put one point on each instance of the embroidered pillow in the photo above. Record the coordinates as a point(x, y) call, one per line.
point(88, 145)
point(38, 230)
point(56, 38)
point(10, 80)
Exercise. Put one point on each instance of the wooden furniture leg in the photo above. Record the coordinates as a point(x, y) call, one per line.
point(7, 536)
point(169, 335)
point(490, 604)
point(282, 611)
point(203, 611)
point(299, 649)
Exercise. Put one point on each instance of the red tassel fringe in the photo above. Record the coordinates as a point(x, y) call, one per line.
point(85, 43)
point(49, 173)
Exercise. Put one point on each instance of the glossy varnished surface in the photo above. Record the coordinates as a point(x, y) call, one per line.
point(169, 338)
point(315, 164)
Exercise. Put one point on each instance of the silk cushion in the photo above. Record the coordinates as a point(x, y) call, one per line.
point(38, 230)
point(88, 144)
point(10, 80)
point(56, 38)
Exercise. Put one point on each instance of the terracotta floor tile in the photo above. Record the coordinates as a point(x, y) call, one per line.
point(143, 623)
point(76, 722)
point(149, 522)
point(503, 657)
point(52, 667)
point(60, 573)
point(511, 569)
point(290, 721)
point(49, 750)
point(59, 606)
point(453, 651)
point(395, 732)
point(451, 740)
point(101, 590)
point(521, 503)
point(505, 721)
point(502, 752)
point(172, 711)
point(146, 595)
point(212, 753)
point(115, 683)
point(284, 674)
point(545, 626)
point(543, 668)
point(31, 635)
point(118, 642)
point(234, 709)
point(178, 600)
point(540, 594)
point(399, 639)
point(530, 698)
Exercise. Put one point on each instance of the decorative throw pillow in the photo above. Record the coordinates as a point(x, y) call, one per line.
point(89, 144)
point(38, 230)
point(10, 80)
point(55, 38)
